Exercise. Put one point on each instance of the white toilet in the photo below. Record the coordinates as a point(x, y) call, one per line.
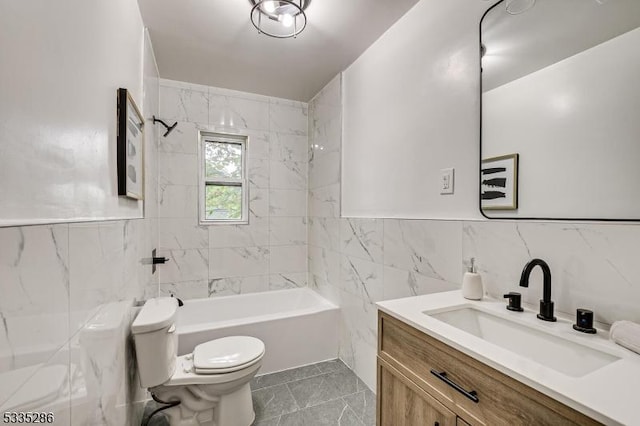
point(212, 383)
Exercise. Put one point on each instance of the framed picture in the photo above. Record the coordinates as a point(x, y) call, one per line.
point(130, 147)
point(499, 183)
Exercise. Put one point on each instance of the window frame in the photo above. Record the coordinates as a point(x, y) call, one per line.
point(243, 182)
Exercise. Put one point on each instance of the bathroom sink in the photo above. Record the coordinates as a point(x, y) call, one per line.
point(552, 351)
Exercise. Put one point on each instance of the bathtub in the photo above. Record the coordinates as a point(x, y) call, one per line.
point(297, 326)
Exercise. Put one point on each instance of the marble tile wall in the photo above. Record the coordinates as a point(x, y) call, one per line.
point(66, 306)
point(214, 260)
point(357, 262)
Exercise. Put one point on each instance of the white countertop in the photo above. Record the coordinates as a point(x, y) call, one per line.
point(610, 394)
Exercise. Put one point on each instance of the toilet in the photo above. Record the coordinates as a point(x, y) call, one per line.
point(211, 383)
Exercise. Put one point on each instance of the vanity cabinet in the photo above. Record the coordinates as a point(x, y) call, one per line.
point(422, 381)
point(403, 403)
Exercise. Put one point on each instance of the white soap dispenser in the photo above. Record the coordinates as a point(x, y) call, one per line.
point(472, 283)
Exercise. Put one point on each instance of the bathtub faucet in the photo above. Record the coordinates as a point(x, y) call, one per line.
point(180, 302)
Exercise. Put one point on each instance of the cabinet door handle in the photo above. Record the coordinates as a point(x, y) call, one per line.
point(472, 395)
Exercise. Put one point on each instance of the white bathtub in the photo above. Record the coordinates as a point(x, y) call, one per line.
point(297, 326)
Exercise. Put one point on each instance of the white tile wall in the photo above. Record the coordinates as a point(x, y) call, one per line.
point(271, 251)
point(58, 282)
point(356, 262)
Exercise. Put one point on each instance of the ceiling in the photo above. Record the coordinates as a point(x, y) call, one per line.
point(551, 31)
point(213, 42)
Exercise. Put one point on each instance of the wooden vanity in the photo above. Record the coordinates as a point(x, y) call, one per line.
point(422, 381)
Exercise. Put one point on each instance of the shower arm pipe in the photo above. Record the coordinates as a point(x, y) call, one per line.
point(166, 126)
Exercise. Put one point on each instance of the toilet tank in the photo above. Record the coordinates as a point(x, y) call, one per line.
point(156, 340)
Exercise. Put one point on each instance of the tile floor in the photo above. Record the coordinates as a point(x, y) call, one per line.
point(323, 394)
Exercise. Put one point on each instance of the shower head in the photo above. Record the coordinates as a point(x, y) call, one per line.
point(166, 126)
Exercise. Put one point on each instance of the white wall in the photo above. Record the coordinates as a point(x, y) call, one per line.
point(411, 105)
point(63, 285)
point(356, 262)
point(575, 125)
point(60, 65)
point(218, 260)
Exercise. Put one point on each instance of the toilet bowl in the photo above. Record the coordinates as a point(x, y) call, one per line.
point(211, 383)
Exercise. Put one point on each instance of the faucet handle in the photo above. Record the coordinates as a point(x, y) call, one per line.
point(515, 301)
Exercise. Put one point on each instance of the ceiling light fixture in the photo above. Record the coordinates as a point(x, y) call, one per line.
point(279, 18)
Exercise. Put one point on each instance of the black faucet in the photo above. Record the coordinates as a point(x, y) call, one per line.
point(546, 305)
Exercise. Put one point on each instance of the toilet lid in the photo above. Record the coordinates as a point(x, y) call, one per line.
point(227, 354)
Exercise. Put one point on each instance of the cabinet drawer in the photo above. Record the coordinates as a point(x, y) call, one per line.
point(499, 398)
point(402, 403)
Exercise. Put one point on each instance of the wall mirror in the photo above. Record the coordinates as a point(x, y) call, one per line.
point(560, 135)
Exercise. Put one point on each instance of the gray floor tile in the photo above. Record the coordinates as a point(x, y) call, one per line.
point(323, 394)
point(363, 405)
point(274, 421)
point(347, 382)
point(331, 413)
point(333, 365)
point(285, 376)
point(273, 401)
point(313, 390)
point(325, 387)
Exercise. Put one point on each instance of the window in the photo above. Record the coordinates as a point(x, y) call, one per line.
point(223, 179)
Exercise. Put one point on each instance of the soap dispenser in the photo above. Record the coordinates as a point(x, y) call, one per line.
point(472, 283)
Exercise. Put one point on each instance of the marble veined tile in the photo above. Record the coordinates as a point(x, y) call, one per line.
point(324, 170)
point(184, 265)
point(182, 234)
point(325, 201)
point(286, 259)
point(403, 283)
point(186, 290)
point(325, 264)
point(34, 270)
point(287, 280)
point(238, 113)
point(238, 261)
point(184, 105)
point(177, 169)
point(238, 285)
point(258, 169)
point(288, 119)
point(255, 233)
point(286, 174)
point(428, 247)
point(287, 202)
point(259, 143)
point(362, 238)
point(178, 201)
point(97, 272)
point(362, 278)
point(324, 232)
point(183, 139)
point(289, 147)
point(592, 266)
point(287, 231)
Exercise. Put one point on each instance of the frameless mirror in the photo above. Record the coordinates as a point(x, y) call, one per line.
point(560, 136)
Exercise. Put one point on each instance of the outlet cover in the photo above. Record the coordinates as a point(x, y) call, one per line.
point(446, 181)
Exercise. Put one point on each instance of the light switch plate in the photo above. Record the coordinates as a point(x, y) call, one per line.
point(446, 181)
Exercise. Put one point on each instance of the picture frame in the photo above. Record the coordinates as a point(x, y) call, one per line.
point(499, 182)
point(130, 152)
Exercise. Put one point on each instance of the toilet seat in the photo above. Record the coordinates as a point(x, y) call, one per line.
point(218, 361)
point(227, 354)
